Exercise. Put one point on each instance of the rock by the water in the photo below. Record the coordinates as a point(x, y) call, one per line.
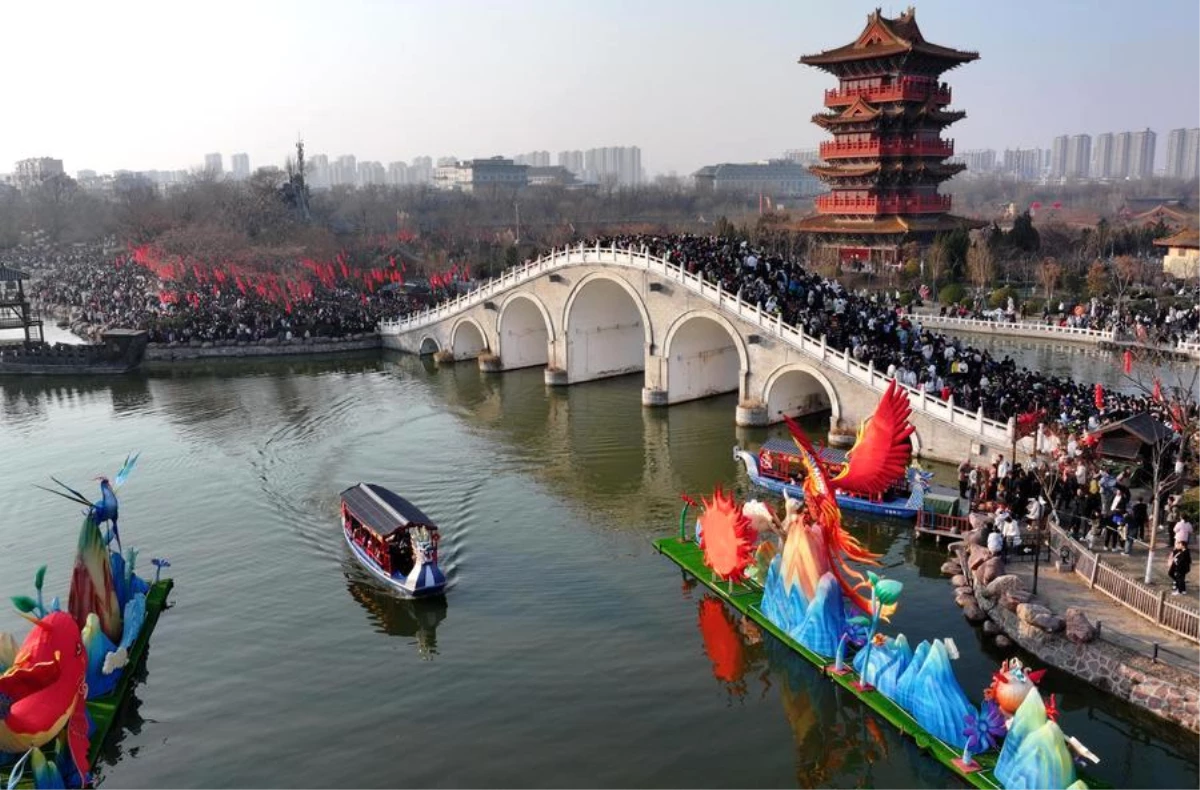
point(958, 580)
point(1002, 584)
point(964, 591)
point(973, 613)
point(1002, 640)
point(990, 628)
point(964, 599)
point(1050, 623)
point(991, 570)
point(1078, 628)
point(1014, 598)
point(977, 556)
point(951, 567)
point(1028, 611)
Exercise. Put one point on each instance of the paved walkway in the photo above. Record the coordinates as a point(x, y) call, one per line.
point(1118, 624)
point(1135, 565)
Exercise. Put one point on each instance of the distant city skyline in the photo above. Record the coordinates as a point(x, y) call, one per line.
point(696, 83)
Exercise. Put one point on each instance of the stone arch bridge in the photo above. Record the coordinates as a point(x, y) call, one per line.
point(587, 313)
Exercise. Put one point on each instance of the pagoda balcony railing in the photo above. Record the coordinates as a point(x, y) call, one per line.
point(844, 149)
point(904, 90)
point(889, 204)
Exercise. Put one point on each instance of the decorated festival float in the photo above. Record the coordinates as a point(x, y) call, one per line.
point(793, 575)
point(61, 691)
point(778, 467)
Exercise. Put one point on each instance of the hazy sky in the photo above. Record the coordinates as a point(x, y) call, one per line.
point(155, 85)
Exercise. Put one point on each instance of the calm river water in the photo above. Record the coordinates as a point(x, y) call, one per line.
point(566, 653)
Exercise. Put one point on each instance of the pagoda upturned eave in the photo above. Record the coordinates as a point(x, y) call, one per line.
point(885, 38)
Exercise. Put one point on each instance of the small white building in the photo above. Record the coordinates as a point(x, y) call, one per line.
point(1182, 259)
point(481, 174)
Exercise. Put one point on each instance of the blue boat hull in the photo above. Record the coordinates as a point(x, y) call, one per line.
point(895, 508)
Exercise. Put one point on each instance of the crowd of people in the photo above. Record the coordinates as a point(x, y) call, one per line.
point(100, 289)
point(93, 289)
point(875, 327)
point(1160, 322)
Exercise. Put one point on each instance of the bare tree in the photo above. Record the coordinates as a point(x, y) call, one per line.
point(937, 259)
point(981, 265)
point(1049, 272)
point(1173, 399)
point(1127, 272)
point(1097, 278)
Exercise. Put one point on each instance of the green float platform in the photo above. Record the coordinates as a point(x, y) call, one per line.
point(104, 710)
point(746, 599)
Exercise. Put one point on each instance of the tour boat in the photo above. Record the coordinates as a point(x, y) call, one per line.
point(393, 539)
point(777, 468)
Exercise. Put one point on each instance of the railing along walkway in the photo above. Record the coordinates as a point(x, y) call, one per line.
point(1076, 334)
point(1172, 615)
point(973, 423)
point(1022, 328)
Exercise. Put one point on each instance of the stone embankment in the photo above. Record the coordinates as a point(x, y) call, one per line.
point(1067, 640)
point(229, 349)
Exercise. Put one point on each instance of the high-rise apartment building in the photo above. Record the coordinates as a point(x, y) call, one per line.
point(29, 172)
point(571, 160)
point(615, 165)
point(345, 171)
point(240, 165)
point(371, 174)
point(318, 166)
point(1141, 154)
point(1176, 141)
point(979, 162)
point(213, 164)
point(533, 159)
point(1190, 167)
point(420, 170)
point(1102, 153)
point(1024, 164)
point(1122, 143)
point(1079, 156)
point(397, 174)
point(1058, 156)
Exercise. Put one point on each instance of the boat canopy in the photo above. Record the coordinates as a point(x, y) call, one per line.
point(382, 511)
point(832, 455)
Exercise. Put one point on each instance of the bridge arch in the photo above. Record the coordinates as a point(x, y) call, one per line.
point(795, 389)
point(606, 327)
point(429, 345)
point(467, 339)
point(706, 355)
point(524, 331)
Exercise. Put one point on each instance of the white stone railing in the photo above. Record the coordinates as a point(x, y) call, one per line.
point(972, 422)
point(1021, 328)
point(1032, 328)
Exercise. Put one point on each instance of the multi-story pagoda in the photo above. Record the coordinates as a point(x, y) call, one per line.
point(887, 157)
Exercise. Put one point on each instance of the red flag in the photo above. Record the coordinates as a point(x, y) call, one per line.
point(403, 267)
point(1157, 395)
point(1027, 423)
point(1128, 362)
point(1099, 397)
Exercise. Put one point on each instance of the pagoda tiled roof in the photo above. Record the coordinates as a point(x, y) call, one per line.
point(883, 37)
point(832, 170)
point(884, 225)
point(1188, 237)
point(1173, 214)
